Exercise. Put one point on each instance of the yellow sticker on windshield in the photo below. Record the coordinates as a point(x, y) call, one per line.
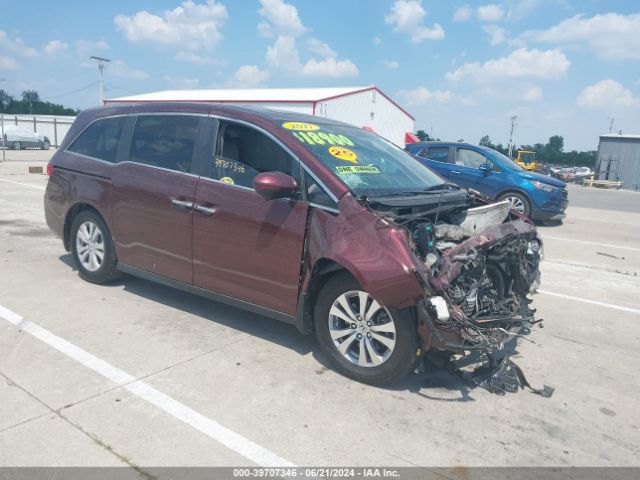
point(357, 169)
point(227, 180)
point(344, 154)
point(300, 126)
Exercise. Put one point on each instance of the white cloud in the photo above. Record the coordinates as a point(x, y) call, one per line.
point(55, 47)
point(532, 94)
point(329, 67)
point(283, 54)
point(421, 95)
point(86, 48)
point(376, 40)
point(16, 46)
point(497, 34)
point(182, 82)
point(280, 18)
point(320, 48)
point(390, 64)
point(521, 63)
point(190, 25)
point(490, 13)
point(191, 57)
point(610, 35)
point(119, 68)
point(250, 76)
point(8, 63)
point(407, 16)
point(606, 94)
point(462, 14)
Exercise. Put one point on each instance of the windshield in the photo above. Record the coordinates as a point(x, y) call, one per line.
point(527, 157)
point(505, 161)
point(366, 163)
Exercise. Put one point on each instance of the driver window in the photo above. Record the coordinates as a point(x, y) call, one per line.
point(469, 158)
point(243, 152)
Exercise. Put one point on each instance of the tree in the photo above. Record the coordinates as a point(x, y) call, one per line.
point(30, 96)
point(422, 135)
point(486, 142)
point(5, 100)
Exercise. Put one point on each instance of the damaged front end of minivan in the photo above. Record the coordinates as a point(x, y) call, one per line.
point(477, 266)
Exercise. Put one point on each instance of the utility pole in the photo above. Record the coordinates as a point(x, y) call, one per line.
point(513, 128)
point(101, 62)
point(611, 124)
point(4, 158)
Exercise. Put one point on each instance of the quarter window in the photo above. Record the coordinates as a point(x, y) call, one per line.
point(165, 141)
point(469, 158)
point(243, 152)
point(316, 194)
point(100, 139)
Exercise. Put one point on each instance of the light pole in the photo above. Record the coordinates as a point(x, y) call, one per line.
point(2, 130)
point(101, 62)
point(513, 127)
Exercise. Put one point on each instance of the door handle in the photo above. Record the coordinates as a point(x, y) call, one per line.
point(204, 209)
point(455, 171)
point(181, 203)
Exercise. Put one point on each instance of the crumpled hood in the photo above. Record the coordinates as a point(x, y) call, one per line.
point(543, 178)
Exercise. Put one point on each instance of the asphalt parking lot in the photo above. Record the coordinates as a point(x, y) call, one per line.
point(138, 374)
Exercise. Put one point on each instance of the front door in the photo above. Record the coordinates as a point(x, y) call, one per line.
point(244, 246)
point(152, 212)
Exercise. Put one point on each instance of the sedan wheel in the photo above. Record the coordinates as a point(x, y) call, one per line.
point(46, 145)
point(17, 146)
point(518, 202)
point(362, 331)
point(90, 246)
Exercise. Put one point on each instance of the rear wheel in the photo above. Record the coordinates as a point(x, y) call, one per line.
point(92, 248)
point(17, 146)
point(46, 145)
point(519, 202)
point(365, 341)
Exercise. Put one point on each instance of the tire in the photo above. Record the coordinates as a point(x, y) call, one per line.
point(46, 145)
point(90, 237)
point(519, 202)
point(388, 364)
point(17, 146)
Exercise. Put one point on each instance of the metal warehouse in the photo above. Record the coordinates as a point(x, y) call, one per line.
point(364, 107)
point(619, 159)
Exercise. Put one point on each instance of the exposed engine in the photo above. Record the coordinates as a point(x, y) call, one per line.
point(481, 266)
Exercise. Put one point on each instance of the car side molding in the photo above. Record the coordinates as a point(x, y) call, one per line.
point(217, 297)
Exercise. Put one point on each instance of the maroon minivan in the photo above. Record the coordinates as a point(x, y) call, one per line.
point(300, 218)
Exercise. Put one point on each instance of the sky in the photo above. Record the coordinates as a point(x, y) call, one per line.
point(563, 67)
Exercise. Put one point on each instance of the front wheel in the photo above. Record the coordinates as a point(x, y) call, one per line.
point(364, 341)
point(46, 145)
point(519, 202)
point(92, 248)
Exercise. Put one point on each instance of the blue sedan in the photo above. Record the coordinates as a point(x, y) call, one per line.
point(496, 176)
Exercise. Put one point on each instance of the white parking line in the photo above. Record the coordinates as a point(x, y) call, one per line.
point(592, 302)
point(209, 427)
point(23, 184)
point(587, 242)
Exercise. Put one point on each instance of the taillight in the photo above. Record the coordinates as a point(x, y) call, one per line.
point(49, 169)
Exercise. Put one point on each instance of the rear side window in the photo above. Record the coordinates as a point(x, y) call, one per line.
point(165, 141)
point(439, 154)
point(100, 139)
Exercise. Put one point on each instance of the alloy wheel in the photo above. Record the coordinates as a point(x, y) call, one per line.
point(516, 204)
point(362, 331)
point(90, 246)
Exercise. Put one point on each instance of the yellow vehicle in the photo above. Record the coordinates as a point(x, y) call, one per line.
point(526, 159)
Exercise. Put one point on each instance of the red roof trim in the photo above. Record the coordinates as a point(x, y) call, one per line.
point(207, 101)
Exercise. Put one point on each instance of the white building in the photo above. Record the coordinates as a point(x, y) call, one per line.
point(364, 107)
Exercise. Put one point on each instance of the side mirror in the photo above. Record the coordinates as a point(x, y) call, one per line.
point(273, 185)
point(485, 168)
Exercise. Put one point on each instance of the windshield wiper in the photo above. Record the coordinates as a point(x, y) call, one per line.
point(412, 193)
